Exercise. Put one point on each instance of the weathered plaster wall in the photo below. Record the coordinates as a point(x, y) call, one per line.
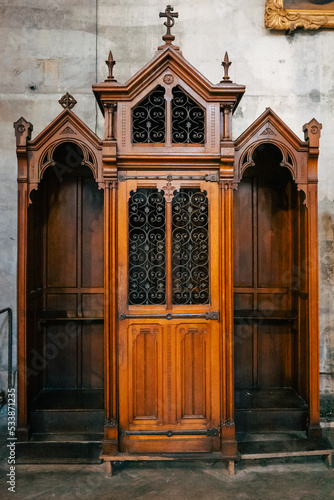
point(50, 47)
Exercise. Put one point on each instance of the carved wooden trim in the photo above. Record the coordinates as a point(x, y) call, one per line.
point(168, 188)
point(42, 167)
point(170, 177)
point(285, 154)
point(270, 129)
point(173, 62)
point(68, 131)
point(278, 18)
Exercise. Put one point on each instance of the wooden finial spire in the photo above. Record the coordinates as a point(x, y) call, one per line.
point(110, 63)
point(168, 37)
point(226, 63)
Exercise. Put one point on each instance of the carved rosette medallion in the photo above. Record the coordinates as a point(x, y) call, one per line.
point(168, 79)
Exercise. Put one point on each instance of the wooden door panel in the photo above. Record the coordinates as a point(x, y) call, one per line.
point(271, 302)
point(92, 235)
point(193, 371)
point(92, 355)
point(243, 353)
point(61, 237)
point(145, 372)
point(92, 304)
point(59, 358)
point(243, 235)
point(274, 355)
point(243, 301)
point(169, 367)
point(274, 235)
point(61, 302)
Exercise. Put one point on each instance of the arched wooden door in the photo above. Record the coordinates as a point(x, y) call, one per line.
point(168, 338)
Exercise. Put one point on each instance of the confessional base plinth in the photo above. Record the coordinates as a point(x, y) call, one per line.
point(271, 446)
point(265, 448)
point(111, 460)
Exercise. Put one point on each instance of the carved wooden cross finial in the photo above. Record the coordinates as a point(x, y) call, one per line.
point(67, 101)
point(226, 63)
point(110, 63)
point(168, 37)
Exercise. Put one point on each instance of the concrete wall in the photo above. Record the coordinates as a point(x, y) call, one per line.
point(53, 46)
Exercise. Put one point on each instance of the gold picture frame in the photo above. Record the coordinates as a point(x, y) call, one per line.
point(278, 17)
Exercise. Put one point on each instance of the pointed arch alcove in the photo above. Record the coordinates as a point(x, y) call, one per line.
point(275, 279)
point(60, 280)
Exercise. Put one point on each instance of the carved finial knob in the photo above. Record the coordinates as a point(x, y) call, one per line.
point(226, 63)
point(23, 131)
point(312, 132)
point(67, 101)
point(110, 63)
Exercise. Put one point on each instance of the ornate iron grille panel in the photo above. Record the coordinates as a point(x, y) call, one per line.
point(148, 118)
point(190, 247)
point(147, 276)
point(187, 119)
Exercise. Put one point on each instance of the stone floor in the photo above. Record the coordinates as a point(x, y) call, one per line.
point(295, 479)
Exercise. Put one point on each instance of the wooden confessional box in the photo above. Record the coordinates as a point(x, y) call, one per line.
point(132, 330)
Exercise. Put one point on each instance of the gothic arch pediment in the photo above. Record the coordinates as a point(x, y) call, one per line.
point(269, 128)
point(66, 127)
point(167, 61)
point(167, 70)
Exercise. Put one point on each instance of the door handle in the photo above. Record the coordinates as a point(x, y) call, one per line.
point(214, 315)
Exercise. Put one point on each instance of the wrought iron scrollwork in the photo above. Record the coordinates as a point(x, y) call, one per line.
point(147, 278)
point(190, 247)
point(187, 119)
point(148, 118)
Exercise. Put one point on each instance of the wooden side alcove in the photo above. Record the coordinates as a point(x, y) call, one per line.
point(275, 249)
point(60, 283)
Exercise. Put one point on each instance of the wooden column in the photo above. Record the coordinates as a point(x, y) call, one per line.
point(228, 442)
point(23, 131)
point(110, 443)
point(312, 136)
point(313, 429)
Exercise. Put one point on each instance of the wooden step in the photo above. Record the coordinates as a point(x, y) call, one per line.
point(285, 448)
point(57, 411)
point(60, 448)
point(270, 410)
